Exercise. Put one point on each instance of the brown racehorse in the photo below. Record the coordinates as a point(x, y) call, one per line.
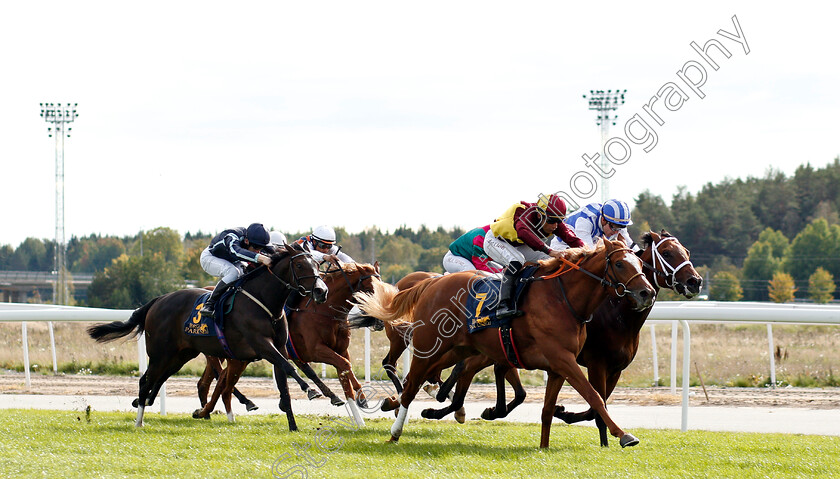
point(249, 328)
point(548, 336)
point(613, 334)
point(319, 333)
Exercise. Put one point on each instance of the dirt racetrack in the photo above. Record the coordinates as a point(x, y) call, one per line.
point(815, 398)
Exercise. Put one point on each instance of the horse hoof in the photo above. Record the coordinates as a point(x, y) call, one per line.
point(312, 394)
point(135, 403)
point(335, 401)
point(251, 406)
point(487, 414)
point(197, 414)
point(431, 390)
point(628, 440)
point(461, 415)
point(393, 440)
point(390, 404)
point(280, 405)
point(362, 402)
point(427, 413)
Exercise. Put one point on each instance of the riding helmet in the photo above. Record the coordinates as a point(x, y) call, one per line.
point(617, 212)
point(257, 235)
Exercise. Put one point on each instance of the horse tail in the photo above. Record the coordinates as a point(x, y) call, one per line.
point(390, 305)
point(365, 321)
point(104, 333)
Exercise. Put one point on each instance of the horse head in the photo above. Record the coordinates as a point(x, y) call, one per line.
point(295, 266)
point(670, 262)
point(623, 272)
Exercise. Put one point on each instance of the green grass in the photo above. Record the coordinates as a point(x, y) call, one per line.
point(72, 444)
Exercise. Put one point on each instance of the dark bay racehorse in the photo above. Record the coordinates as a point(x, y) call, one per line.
point(548, 336)
point(249, 327)
point(319, 333)
point(613, 334)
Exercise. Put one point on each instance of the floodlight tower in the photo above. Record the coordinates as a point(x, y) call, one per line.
point(603, 102)
point(59, 116)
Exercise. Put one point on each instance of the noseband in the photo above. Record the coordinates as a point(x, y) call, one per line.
point(297, 286)
point(667, 271)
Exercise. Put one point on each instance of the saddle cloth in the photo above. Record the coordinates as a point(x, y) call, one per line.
point(198, 325)
point(484, 299)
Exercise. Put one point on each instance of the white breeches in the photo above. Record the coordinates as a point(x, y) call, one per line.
point(504, 253)
point(215, 266)
point(455, 264)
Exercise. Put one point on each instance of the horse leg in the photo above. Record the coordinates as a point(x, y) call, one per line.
point(158, 372)
point(567, 366)
point(415, 378)
point(500, 410)
point(598, 381)
point(464, 379)
point(446, 387)
point(552, 389)
point(265, 348)
point(249, 405)
point(512, 377)
point(206, 379)
point(204, 412)
point(359, 393)
point(234, 372)
point(311, 393)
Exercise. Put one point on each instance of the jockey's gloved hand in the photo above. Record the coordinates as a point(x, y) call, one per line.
point(261, 258)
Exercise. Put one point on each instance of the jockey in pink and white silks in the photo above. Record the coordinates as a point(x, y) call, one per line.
point(595, 221)
point(520, 236)
point(321, 243)
point(467, 253)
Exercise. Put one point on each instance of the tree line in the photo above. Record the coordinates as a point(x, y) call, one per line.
point(759, 239)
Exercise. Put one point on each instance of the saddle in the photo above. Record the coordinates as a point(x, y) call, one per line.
point(198, 325)
point(484, 299)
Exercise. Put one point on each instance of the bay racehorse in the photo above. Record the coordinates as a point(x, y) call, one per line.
point(548, 336)
point(612, 338)
point(249, 326)
point(318, 333)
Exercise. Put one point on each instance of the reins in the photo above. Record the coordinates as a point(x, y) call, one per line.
point(289, 286)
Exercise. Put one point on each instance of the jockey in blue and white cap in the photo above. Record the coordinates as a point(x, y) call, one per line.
point(595, 221)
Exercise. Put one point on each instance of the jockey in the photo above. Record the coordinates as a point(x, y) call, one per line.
point(321, 243)
point(467, 253)
point(594, 221)
point(520, 235)
point(225, 255)
point(277, 238)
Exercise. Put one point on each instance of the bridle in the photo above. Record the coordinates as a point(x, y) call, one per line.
point(353, 289)
point(609, 272)
point(667, 271)
point(297, 286)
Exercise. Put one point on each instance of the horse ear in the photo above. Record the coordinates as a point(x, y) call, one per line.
point(376, 266)
point(647, 239)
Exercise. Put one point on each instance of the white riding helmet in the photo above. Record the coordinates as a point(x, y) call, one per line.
point(324, 234)
point(277, 237)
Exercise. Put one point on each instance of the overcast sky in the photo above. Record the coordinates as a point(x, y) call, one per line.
point(207, 115)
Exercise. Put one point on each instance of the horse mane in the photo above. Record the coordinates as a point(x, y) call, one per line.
point(647, 238)
point(573, 255)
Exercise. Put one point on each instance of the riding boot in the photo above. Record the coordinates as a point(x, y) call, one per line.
point(209, 308)
point(507, 308)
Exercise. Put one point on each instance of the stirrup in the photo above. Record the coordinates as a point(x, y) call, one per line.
point(508, 313)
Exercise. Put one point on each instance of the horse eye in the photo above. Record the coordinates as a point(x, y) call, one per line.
point(619, 264)
point(666, 254)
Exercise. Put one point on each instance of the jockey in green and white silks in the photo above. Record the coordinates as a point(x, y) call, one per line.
point(595, 221)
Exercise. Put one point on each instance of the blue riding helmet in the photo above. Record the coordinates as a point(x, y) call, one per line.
point(616, 212)
point(257, 235)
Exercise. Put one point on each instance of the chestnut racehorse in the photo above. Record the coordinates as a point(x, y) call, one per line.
point(612, 338)
point(548, 336)
point(248, 327)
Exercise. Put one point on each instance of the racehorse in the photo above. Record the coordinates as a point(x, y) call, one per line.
point(548, 336)
point(613, 334)
point(319, 333)
point(249, 327)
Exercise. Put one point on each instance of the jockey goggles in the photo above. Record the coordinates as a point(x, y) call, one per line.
point(615, 226)
point(321, 244)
